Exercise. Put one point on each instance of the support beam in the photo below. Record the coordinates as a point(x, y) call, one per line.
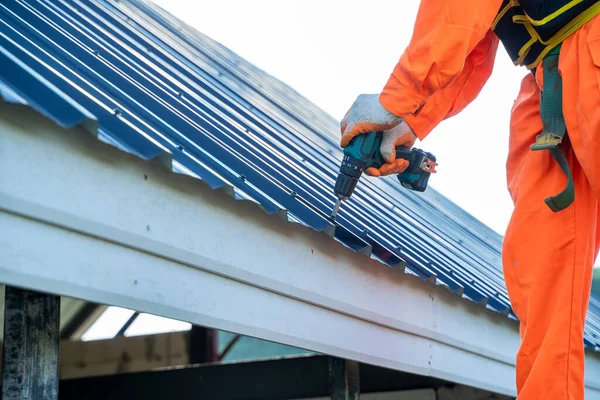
point(82, 320)
point(127, 324)
point(300, 377)
point(30, 349)
point(201, 345)
point(228, 348)
point(344, 379)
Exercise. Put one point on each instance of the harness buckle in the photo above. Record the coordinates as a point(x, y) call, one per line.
point(546, 141)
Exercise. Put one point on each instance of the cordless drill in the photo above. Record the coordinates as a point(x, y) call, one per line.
point(363, 152)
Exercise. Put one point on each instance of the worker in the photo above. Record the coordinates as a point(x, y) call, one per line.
point(553, 177)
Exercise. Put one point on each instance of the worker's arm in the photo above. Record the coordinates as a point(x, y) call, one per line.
point(454, 97)
point(443, 104)
point(445, 35)
point(448, 39)
point(445, 66)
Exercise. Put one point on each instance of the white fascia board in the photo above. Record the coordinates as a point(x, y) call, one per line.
point(80, 218)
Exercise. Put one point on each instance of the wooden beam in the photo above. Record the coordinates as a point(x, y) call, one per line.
point(202, 345)
point(31, 345)
point(122, 354)
point(299, 377)
point(344, 379)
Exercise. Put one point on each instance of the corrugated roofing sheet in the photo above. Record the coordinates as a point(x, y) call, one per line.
point(143, 81)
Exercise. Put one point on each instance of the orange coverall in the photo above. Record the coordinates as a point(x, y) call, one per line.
point(547, 257)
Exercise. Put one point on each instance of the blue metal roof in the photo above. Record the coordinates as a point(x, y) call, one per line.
point(152, 86)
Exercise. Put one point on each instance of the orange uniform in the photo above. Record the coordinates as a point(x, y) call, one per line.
point(547, 257)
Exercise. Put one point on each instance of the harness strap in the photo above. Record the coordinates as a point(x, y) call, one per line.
point(554, 128)
point(565, 198)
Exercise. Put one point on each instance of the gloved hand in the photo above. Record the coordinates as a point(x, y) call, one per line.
point(400, 135)
point(368, 115)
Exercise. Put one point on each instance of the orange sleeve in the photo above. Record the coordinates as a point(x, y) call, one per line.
point(444, 35)
point(454, 97)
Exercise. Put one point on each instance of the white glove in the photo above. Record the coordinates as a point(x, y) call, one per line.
point(368, 115)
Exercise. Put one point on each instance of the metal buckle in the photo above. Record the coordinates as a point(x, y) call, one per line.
point(546, 141)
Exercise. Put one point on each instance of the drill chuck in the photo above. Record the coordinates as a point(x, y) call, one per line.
point(351, 170)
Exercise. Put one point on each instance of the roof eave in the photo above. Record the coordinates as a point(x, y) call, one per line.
point(91, 222)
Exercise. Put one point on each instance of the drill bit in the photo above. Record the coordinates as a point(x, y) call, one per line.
point(338, 203)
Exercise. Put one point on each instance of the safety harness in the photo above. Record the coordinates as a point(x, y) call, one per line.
point(532, 31)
